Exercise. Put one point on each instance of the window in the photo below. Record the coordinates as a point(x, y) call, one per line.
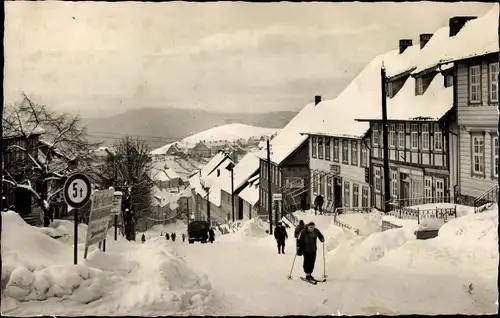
point(364, 156)
point(364, 197)
point(354, 152)
point(428, 187)
point(329, 188)
point(375, 135)
point(378, 180)
point(314, 147)
point(327, 149)
point(272, 174)
point(345, 151)
point(448, 81)
point(392, 135)
point(495, 157)
point(355, 195)
point(419, 86)
point(401, 134)
point(315, 182)
point(438, 138)
point(414, 136)
point(439, 189)
point(394, 184)
point(320, 148)
point(475, 84)
point(477, 154)
point(347, 194)
point(425, 136)
point(279, 178)
point(336, 150)
point(494, 82)
point(322, 181)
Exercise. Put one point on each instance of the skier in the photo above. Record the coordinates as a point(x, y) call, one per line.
point(318, 204)
point(143, 238)
point(280, 235)
point(298, 229)
point(183, 237)
point(308, 248)
point(173, 237)
point(211, 235)
point(167, 236)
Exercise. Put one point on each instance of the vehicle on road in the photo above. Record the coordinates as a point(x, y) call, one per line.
point(198, 232)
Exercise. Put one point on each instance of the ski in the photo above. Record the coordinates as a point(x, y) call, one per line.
point(313, 282)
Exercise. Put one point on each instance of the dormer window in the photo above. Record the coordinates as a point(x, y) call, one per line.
point(419, 86)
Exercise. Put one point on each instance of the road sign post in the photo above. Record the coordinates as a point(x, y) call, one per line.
point(77, 190)
point(100, 216)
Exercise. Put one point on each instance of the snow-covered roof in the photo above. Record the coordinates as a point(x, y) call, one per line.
point(477, 37)
point(436, 101)
point(289, 138)
point(250, 193)
point(362, 97)
point(247, 166)
point(164, 175)
point(164, 197)
point(229, 132)
point(213, 163)
point(162, 150)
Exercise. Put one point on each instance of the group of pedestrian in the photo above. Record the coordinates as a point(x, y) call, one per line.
point(172, 236)
point(306, 243)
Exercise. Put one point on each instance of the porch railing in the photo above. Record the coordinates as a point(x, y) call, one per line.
point(484, 201)
point(421, 201)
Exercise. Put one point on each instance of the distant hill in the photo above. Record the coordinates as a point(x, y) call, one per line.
point(161, 126)
point(229, 132)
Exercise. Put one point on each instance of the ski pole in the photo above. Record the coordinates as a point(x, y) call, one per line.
point(291, 269)
point(324, 261)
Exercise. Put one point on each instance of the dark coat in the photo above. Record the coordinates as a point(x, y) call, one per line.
point(319, 200)
point(211, 234)
point(298, 229)
point(280, 233)
point(308, 240)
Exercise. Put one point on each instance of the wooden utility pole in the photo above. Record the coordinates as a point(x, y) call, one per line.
point(387, 182)
point(269, 192)
point(232, 191)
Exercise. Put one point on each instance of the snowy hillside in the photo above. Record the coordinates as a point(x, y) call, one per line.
point(229, 132)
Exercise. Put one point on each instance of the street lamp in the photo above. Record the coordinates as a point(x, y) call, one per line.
point(230, 167)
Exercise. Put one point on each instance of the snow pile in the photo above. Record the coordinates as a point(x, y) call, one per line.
point(63, 231)
point(37, 267)
point(248, 230)
point(376, 245)
point(366, 223)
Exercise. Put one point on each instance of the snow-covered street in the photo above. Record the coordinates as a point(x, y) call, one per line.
point(241, 273)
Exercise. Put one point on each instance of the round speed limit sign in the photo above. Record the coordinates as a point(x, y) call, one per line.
point(77, 190)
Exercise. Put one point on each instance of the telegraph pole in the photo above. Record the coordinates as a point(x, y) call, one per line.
point(387, 189)
point(232, 191)
point(269, 192)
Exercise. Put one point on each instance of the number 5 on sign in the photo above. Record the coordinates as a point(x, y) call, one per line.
point(77, 190)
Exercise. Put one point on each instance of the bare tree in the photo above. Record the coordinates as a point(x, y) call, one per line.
point(128, 168)
point(43, 164)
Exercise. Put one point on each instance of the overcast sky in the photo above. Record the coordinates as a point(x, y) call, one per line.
point(104, 58)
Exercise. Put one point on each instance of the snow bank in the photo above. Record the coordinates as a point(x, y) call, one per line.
point(248, 230)
point(376, 245)
point(37, 267)
point(366, 223)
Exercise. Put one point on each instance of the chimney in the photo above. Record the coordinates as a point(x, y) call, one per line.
point(404, 44)
point(424, 38)
point(317, 99)
point(457, 23)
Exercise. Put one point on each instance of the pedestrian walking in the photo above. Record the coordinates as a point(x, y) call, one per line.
point(143, 238)
point(167, 236)
point(211, 235)
point(318, 204)
point(308, 248)
point(183, 237)
point(173, 237)
point(280, 235)
point(303, 201)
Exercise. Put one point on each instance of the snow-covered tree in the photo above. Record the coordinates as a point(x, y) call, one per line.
point(42, 164)
point(128, 168)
